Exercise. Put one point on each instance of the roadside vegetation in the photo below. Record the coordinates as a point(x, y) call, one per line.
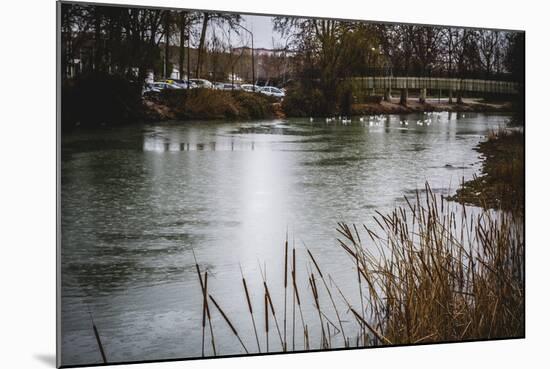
point(99, 100)
point(204, 103)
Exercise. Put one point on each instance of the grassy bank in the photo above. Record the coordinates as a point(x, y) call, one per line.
point(501, 184)
point(429, 272)
point(99, 99)
point(206, 104)
point(104, 100)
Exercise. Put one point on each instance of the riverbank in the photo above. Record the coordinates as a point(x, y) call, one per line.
point(501, 184)
point(99, 100)
point(208, 104)
point(211, 104)
point(414, 106)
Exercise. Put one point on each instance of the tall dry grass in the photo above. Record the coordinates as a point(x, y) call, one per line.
point(429, 272)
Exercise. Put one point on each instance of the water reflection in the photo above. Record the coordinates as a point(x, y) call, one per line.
point(137, 201)
point(160, 143)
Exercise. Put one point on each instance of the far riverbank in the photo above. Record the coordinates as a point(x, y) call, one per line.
point(211, 105)
point(414, 106)
point(116, 102)
point(501, 184)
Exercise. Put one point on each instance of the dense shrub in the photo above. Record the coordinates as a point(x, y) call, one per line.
point(345, 98)
point(100, 99)
point(254, 105)
point(302, 102)
point(216, 104)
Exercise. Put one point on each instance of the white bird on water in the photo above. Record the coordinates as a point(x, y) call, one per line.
point(311, 119)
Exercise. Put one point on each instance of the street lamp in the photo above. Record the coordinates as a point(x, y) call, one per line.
point(253, 73)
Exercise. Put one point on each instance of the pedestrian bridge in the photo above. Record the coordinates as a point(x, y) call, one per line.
point(443, 84)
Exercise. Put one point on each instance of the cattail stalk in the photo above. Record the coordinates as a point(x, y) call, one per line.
point(228, 323)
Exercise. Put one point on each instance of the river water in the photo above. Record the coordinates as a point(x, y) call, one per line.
point(137, 201)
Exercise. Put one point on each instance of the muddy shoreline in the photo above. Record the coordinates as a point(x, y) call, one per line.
point(501, 184)
point(156, 110)
point(413, 106)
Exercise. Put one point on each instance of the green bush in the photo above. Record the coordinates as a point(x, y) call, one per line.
point(302, 102)
point(98, 99)
point(307, 101)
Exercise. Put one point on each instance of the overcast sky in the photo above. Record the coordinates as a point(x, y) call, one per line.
point(262, 28)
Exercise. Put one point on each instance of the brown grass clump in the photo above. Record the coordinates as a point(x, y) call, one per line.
point(204, 103)
point(438, 275)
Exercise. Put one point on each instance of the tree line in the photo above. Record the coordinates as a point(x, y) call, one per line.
point(131, 41)
point(325, 53)
point(331, 52)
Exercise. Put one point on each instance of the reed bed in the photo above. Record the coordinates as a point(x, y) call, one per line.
point(428, 272)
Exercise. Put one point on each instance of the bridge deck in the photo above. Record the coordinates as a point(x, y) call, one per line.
point(445, 84)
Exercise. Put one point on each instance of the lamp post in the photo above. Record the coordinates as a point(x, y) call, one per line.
point(373, 49)
point(430, 67)
point(253, 71)
point(388, 72)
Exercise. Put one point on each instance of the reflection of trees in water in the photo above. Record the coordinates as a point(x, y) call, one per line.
point(112, 235)
point(103, 278)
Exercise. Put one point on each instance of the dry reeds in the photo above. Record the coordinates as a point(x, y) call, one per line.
point(98, 340)
point(231, 326)
point(285, 287)
point(430, 272)
point(450, 277)
point(250, 310)
point(205, 307)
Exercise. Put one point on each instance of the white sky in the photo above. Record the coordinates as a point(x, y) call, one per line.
point(262, 28)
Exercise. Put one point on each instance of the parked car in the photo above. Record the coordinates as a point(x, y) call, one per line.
point(149, 88)
point(272, 91)
point(251, 88)
point(202, 83)
point(156, 87)
point(162, 85)
point(226, 86)
point(181, 83)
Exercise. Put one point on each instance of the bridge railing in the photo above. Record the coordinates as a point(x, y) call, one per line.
point(445, 84)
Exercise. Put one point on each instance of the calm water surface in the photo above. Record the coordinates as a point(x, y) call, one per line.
point(137, 201)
